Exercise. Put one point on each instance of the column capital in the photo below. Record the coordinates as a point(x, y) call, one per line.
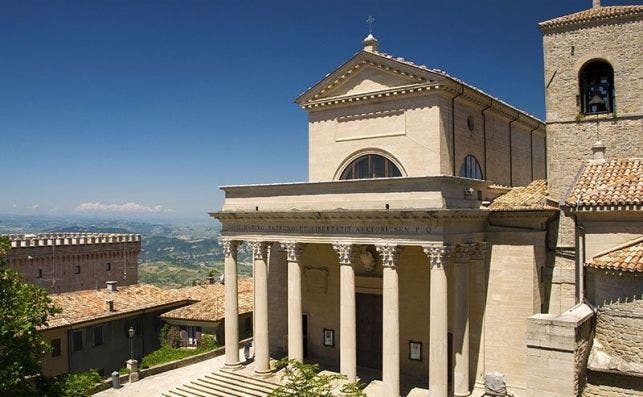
point(389, 253)
point(346, 252)
point(438, 255)
point(293, 250)
point(478, 250)
point(461, 253)
point(229, 246)
point(259, 249)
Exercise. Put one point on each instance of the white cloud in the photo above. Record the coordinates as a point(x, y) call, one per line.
point(129, 207)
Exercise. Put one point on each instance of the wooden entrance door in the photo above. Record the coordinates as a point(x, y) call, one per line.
point(369, 330)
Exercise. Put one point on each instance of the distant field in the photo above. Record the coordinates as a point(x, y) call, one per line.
point(167, 275)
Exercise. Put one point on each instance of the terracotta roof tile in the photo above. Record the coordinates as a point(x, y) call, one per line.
point(615, 182)
point(595, 13)
point(530, 197)
point(211, 301)
point(81, 306)
point(627, 257)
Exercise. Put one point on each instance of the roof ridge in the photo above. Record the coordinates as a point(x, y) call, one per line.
point(627, 244)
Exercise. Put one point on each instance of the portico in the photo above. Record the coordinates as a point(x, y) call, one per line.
point(417, 261)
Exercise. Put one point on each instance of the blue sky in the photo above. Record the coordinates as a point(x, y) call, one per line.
point(146, 107)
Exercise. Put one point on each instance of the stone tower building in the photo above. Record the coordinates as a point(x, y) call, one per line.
point(65, 262)
point(595, 51)
point(593, 95)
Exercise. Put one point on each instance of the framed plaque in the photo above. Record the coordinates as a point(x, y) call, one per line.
point(329, 337)
point(415, 351)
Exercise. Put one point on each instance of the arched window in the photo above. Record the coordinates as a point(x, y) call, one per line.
point(470, 168)
point(370, 166)
point(596, 83)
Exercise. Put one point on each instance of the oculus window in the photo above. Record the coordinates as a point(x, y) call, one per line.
point(370, 166)
point(470, 168)
point(596, 83)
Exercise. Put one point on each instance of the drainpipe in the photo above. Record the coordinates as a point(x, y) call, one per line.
point(484, 138)
point(453, 128)
point(531, 151)
point(511, 166)
point(580, 261)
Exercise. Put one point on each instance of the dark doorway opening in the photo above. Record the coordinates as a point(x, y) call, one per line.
point(450, 362)
point(369, 330)
point(304, 325)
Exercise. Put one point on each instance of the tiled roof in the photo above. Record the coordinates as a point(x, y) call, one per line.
point(602, 183)
point(530, 197)
point(627, 257)
point(81, 306)
point(595, 13)
point(211, 305)
point(457, 80)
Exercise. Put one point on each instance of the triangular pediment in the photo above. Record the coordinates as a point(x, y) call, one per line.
point(364, 73)
point(367, 79)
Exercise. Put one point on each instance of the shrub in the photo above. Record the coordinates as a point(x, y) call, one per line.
point(304, 380)
point(70, 385)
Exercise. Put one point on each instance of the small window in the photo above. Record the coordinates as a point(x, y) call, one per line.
point(370, 166)
point(108, 266)
point(77, 341)
point(55, 347)
point(39, 273)
point(470, 168)
point(470, 124)
point(77, 269)
point(98, 336)
point(596, 83)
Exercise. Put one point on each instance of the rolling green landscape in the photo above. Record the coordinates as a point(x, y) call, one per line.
point(172, 255)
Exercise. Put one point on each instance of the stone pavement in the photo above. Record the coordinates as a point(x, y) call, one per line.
point(156, 384)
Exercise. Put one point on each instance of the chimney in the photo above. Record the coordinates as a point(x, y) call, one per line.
point(110, 306)
point(370, 43)
point(596, 3)
point(111, 286)
point(599, 150)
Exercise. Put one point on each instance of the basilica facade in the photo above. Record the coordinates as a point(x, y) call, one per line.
point(422, 253)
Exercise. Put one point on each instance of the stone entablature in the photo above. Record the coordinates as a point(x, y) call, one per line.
point(49, 239)
point(432, 192)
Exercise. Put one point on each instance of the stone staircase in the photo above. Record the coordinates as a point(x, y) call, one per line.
point(224, 383)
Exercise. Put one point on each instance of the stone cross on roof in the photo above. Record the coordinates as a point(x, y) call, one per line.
point(370, 20)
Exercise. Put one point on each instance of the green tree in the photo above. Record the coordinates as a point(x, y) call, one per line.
point(305, 380)
point(24, 309)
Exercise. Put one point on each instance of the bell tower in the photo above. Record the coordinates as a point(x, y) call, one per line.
point(593, 90)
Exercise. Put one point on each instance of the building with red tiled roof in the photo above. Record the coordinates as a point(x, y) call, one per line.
point(207, 314)
point(91, 331)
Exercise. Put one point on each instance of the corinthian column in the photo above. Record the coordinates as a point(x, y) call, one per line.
point(295, 325)
point(461, 321)
point(262, 353)
point(347, 332)
point(231, 303)
point(438, 328)
point(390, 320)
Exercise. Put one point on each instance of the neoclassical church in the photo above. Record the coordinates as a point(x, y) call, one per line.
point(444, 237)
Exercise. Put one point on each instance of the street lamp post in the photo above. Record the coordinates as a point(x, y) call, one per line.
point(131, 342)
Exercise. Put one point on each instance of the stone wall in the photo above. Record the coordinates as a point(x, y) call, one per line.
point(619, 331)
point(76, 266)
point(557, 350)
point(606, 287)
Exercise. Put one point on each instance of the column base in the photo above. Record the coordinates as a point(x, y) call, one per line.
point(462, 394)
point(263, 374)
point(231, 367)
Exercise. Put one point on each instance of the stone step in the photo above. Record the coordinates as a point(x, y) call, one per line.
point(246, 389)
point(228, 377)
point(215, 390)
point(224, 384)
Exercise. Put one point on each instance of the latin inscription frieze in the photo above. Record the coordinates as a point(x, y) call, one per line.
point(330, 229)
